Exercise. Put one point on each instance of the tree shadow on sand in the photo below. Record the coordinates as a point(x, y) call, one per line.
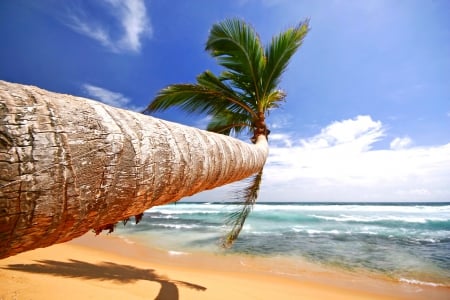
point(106, 271)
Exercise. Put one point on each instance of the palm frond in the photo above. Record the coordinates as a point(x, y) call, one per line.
point(237, 218)
point(238, 48)
point(280, 51)
point(274, 100)
point(228, 123)
point(210, 96)
point(234, 97)
point(189, 97)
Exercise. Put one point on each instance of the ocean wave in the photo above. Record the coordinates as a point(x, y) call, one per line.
point(177, 253)
point(177, 226)
point(366, 219)
point(315, 231)
point(183, 212)
point(166, 217)
point(428, 240)
point(354, 207)
point(265, 233)
point(418, 282)
point(419, 237)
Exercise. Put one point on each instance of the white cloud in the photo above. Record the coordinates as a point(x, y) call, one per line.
point(203, 122)
point(400, 143)
point(362, 131)
point(280, 121)
point(277, 138)
point(109, 97)
point(91, 30)
point(131, 16)
point(339, 164)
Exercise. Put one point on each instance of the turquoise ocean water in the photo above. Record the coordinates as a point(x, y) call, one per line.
point(408, 242)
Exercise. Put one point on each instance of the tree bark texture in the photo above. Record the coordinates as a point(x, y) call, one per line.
point(70, 164)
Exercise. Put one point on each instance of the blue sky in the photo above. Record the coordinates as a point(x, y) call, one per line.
point(367, 116)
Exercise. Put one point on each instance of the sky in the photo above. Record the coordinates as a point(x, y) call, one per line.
point(367, 113)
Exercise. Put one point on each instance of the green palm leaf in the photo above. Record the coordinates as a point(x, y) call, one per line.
point(210, 96)
point(279, 52)
point(238, 49)
point(229, 123)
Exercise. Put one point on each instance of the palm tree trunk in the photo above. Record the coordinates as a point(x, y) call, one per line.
point(69, 164)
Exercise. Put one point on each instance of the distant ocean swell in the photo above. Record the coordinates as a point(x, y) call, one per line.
point(407, 242)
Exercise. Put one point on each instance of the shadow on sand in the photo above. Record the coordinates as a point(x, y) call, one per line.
point(106, 271)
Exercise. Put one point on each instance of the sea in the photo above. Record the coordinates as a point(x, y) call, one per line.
point(405, 242)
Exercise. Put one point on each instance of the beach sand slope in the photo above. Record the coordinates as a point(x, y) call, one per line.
point(107, 267)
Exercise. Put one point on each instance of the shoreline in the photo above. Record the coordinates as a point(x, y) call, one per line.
point(112, 266)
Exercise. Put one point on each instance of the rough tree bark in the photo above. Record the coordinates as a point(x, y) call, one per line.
point(69, 165)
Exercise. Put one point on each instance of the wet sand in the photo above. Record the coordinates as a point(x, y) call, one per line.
point(110, 267)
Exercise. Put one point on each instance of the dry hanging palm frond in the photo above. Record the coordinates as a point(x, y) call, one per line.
point(236, 219)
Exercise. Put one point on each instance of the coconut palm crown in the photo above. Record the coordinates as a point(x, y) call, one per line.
point(240, 98)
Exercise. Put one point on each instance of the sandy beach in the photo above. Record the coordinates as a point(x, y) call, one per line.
point(110, 267)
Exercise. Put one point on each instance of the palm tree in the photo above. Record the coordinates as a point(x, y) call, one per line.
point(241, 97)
point(69, 165)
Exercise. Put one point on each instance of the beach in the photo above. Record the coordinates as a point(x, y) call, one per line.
point(113, 267)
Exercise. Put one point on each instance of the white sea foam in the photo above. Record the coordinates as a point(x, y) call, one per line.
point(355, 207)
point(334, 231)
point(315, 231)
point(418, 282)
point(176, 253)
point(176, 226)
point(368, 232)
point(298, 229)
point(184, 212)
point(165, 217)
point(350, 218)
point(427, 240)
point(126, 240)
point(270, 233)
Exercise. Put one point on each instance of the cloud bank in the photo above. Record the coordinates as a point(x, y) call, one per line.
point(108, 97)
point(131, 18)
point(341, 164)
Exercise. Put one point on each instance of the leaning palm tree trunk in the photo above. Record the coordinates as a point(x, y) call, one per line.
point(69, 165)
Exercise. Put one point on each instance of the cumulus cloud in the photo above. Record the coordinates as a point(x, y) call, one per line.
point(340, 164)
point(131, 17)
point(108, 97)
point(400, 143)
point(280, 139)
point(362, 131)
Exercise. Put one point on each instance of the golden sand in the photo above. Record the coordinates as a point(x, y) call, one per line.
point(108, 267)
